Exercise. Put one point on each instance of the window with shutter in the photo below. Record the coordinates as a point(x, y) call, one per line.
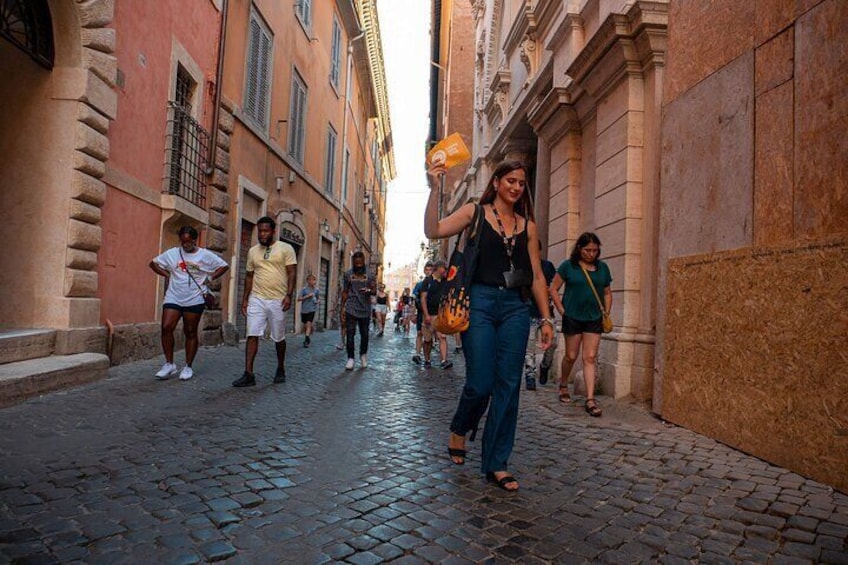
point(258, 72)
point(330, 161)
point(336, 54)
point(303, 9)
point(297, 118)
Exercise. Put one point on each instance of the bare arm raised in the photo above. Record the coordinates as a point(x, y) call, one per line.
point(451, 225)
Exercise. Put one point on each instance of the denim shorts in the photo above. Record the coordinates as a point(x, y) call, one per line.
point(194, 309)
point(570, 326)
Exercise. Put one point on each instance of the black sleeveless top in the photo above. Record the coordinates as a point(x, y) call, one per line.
point(493, 260)
point(384, 300)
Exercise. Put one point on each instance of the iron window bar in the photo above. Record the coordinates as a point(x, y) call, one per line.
point(185, 156)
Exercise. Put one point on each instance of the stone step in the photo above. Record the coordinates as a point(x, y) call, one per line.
point(25, 379)
point(23, 344)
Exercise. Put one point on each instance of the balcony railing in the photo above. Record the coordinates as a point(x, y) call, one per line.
point(185, 156)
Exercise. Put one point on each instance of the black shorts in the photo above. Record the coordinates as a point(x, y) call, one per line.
point(571, 326)
point(306, 317)
point(196, 309)
point(419, 318)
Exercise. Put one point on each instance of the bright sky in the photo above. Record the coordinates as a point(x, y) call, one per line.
point(405, 30)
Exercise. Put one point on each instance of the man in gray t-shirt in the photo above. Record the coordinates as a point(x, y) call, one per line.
point(358, 286)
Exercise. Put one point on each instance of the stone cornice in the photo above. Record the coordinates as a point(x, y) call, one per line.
point(523, 25)
point(554, 116)
point(499, 100)
point(623, 44)
point(371, 27)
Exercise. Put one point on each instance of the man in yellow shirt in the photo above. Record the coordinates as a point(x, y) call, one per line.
point(268, 288)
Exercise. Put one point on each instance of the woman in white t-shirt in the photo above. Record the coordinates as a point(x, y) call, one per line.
point(186, 269)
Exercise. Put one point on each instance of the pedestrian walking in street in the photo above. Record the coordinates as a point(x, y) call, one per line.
point(431, 294)
point(381, 308)
point(186, 269)
point(358, 287)
point(407, 307)
point(582, 318)
point(268, 288)
point(309, 298)
point(419, 313)
point(508, 271)
point(531, 356)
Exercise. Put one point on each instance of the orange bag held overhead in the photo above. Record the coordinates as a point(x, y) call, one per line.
point(451, 151)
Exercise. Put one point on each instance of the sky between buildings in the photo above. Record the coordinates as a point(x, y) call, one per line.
point(405, 30)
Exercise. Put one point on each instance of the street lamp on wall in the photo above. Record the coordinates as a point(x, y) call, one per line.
point(325, 226)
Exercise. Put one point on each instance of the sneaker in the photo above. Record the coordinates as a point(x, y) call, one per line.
point(416, 359)
point(445, 365)
point(349, 365)
point(427, 364)
point(530, 383)
point(543, 375)
point(306, 341)
point(167, 370)
point(280, 375)
point(340, 346)
point(363, 361)
point(247, 379)
point(186, 373)
point(457, 350)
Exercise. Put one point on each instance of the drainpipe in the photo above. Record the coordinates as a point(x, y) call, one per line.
point(219, 74)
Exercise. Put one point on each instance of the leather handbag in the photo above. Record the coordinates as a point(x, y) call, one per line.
point(454, 313)
point(209, 299)
point(606, 321)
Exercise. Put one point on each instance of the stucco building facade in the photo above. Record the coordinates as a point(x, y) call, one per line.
point(122, 121)
point(311, 141)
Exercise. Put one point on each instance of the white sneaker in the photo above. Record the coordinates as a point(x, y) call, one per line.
point(349, 365)
point(166, 371)
point(186, 373)
point(363, 361)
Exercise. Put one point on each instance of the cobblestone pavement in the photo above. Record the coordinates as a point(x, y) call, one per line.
point(352, 466)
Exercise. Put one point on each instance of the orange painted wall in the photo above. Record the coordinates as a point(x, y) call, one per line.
point(130, 240)
point(137, 137)
point(146, 35)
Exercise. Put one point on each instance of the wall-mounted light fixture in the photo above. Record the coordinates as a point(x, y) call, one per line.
point(325, 226)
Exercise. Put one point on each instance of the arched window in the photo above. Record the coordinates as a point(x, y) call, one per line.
point(27, 25)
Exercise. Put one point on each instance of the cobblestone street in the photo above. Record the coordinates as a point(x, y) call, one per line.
point(352, 467)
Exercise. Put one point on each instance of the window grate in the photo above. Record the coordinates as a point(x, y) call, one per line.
point(184, 89)
point(185, 156)
point(27, 25)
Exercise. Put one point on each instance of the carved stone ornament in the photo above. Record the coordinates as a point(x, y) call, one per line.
point(528, 54)
point(477, 9)
point(502, 99)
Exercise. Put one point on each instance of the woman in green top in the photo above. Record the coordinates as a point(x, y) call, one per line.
point(581, 313)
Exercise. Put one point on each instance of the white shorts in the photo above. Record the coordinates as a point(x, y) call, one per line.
point(262, 314)
point(381, 308)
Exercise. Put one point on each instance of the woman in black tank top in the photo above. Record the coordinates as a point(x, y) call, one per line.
point(509, 267)
point(381, 308)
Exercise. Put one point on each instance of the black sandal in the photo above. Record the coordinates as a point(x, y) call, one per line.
point(563, 394)
point(502, 482)
point(454, 452)
point(594, 410)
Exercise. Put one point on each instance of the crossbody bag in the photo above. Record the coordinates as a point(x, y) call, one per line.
point(606, 321)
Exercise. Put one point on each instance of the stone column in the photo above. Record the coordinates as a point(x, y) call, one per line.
point(543, 192)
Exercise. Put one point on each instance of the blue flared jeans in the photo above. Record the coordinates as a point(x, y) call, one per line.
point(494, 346)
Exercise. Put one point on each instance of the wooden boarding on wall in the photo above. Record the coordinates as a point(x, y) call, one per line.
point(756, 353)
